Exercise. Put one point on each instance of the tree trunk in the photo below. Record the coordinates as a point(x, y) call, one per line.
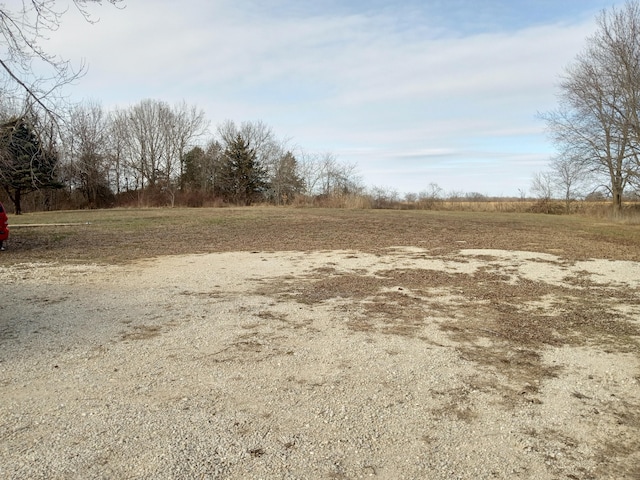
point(17, 198)
point(617, 202)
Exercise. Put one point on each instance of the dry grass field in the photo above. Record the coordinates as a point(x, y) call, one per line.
point(121, 235)
point(538, 316)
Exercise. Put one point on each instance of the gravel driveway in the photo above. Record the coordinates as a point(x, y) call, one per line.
point(322, 364)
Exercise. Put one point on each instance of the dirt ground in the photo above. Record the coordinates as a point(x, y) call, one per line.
point(457, 358)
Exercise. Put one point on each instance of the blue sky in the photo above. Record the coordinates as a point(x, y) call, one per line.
point(413, 92)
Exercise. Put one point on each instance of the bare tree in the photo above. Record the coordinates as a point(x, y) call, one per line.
point(411, 197)
point(542, 186)
point(309, 170)
point(429, 197)
point(336, 177)
point(596, 124)
point(86, 160)
point(146, 142)
point(24, 26)
point(330, 174)
point(117, 139)
point(570, 179)
point(181, 126)
point(455, 195)
point(383, 197)
point(322, 174)
point(157, 138)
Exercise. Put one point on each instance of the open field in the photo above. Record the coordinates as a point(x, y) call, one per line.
point(304, 343)
point(115, 236)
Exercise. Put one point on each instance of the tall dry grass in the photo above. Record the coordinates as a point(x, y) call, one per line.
point(630, 213)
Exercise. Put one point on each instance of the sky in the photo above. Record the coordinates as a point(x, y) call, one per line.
point(412, 92)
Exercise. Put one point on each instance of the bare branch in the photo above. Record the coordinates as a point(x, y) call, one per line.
point(22, 31)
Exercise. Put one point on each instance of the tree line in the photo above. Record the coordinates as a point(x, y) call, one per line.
point(158, 154)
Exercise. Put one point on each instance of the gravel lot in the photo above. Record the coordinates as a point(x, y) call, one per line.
point(322, 364)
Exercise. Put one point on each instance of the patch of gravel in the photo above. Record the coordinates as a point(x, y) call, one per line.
point(217, 366)
point(556, 271)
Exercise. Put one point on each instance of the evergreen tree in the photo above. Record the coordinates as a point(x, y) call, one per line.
point(243, 179)
point(193, 164)
point(285, 181)
point(25, 165)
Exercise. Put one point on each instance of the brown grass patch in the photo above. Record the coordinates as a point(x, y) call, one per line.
point(122, 235)
point(499, 322)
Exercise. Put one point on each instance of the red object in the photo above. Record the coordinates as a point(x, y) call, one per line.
point(4, 224)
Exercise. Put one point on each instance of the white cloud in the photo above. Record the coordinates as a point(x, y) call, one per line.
point(345, 83)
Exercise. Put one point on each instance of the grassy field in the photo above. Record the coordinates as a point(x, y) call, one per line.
point(122, 235)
